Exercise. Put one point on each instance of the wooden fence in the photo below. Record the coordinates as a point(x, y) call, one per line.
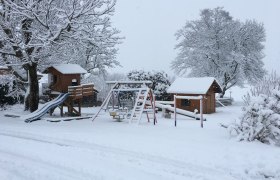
point(78, 92)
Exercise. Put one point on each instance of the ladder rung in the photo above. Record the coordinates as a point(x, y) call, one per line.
point(148, 110)
point(148, 107)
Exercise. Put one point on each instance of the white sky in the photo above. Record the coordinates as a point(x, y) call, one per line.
point(149, 27)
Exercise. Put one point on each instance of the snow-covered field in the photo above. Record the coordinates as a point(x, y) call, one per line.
point(105, 149)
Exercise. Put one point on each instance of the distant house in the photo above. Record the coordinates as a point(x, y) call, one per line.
point(205, 86)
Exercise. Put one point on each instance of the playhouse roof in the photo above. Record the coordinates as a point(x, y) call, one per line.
point(199, 85)
point(69, 68)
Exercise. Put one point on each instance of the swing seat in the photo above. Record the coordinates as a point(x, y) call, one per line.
point(118, 116)
point(113, 113)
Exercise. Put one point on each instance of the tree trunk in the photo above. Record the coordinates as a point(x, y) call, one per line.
point(32, 98)
point(223, 92)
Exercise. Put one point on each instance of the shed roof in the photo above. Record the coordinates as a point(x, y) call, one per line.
point(197, 85)
point(4, 67)
point(69, 69)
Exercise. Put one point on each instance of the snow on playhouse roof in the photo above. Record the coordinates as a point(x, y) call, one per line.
point(193, 85)
point(69, 69)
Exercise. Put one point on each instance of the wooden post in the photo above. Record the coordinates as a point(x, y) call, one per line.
point(80, 104)
point(61, 110)
point(175, 111)
point(113, 99)
point(201, 111)
point(154, 107)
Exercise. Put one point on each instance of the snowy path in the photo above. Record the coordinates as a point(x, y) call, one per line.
point(117, 150)
point(125, 163)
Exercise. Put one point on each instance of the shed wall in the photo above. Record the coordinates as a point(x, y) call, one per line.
point(209, 103)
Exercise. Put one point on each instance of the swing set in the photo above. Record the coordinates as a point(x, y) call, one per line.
point(129, 100)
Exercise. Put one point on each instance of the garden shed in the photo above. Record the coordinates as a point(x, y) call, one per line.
point(204, 86)
point(4, 70)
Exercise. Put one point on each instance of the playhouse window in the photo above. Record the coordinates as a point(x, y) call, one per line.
point(74, 82)
point(185, 102)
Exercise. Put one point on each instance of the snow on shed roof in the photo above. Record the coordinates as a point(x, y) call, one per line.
point(4, 67)
point(192, 85)
point(70, 69)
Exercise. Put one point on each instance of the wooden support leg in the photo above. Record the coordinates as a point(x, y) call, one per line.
point(61, 110)
point(71, 108)
point(80, 104)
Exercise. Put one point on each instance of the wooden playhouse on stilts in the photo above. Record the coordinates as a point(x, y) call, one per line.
point(66, 78)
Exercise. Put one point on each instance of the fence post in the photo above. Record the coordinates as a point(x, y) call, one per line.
point(201, 111)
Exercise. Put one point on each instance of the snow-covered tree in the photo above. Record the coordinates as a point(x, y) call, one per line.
point(159, 79)
point(42, 32)
point(261, 114)
point(95, 54)
point(100, 82)
point(219, 46)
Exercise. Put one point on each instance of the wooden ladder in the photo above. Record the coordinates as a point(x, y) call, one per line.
point(150, 107)
point(139, 106)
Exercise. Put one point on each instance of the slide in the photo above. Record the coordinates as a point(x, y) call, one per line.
point(179, 111)
point(46, 107)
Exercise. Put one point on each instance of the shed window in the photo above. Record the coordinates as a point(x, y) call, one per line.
point(54, 79)
point(185, 102)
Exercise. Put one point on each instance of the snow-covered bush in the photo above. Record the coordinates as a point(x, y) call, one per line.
point(261, 114)
point(160, 81)
point(10, 93)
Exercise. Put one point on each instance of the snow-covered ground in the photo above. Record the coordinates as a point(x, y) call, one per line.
point(105, 149)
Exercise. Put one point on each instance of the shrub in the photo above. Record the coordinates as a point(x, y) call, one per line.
point(260, 119)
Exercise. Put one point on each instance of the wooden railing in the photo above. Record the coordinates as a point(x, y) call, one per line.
point(78, 92)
